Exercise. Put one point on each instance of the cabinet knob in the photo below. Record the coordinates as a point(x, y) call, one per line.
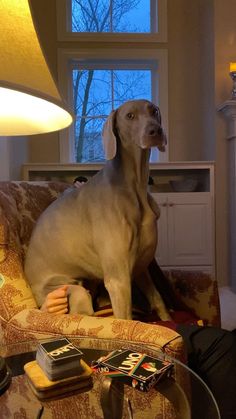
point(171, 204)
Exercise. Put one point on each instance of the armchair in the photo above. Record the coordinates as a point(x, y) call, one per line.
point(21, 203)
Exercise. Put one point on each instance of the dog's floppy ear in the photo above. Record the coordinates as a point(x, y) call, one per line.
point(162, 146)
point(108, 137)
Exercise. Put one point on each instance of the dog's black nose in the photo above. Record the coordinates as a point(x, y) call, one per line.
point(155, 131)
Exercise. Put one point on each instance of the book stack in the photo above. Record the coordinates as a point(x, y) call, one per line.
point(58, 370)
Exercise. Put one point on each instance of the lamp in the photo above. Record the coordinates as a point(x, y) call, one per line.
point(232, 72)
point(30, 102)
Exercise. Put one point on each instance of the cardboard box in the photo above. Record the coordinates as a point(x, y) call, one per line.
point(136, 369)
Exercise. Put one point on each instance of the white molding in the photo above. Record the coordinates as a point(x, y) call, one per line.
point(228, 109)
point(63, 9)
point(66, 57)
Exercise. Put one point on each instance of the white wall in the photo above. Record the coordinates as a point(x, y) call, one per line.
point(4, 158)
point(13, 153)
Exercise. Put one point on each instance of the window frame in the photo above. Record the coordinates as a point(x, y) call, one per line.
point(66, 60)
point(140, 47)
point(64, 33)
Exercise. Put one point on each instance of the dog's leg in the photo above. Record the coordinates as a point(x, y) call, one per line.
point(79, 300)
point(119, 289)
point(145, 284)
point(117, 254)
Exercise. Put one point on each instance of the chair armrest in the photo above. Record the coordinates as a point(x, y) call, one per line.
point(32, 324)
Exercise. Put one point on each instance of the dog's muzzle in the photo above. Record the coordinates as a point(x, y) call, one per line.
point(154, 136)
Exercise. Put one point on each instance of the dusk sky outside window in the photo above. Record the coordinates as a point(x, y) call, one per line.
point(113, 15)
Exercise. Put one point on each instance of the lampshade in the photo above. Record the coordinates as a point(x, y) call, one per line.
point(232, 67)
point(30, 102)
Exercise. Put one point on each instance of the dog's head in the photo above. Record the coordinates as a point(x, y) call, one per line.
point(135, 122)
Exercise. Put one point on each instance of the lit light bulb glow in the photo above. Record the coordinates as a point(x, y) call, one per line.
point(24, 114)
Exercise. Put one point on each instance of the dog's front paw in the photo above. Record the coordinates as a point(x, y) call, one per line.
point(165, 316)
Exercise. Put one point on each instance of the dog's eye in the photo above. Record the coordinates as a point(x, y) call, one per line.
point(130, 115)
point(155, 112)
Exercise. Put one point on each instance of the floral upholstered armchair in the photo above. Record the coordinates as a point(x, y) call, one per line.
point(21, 203)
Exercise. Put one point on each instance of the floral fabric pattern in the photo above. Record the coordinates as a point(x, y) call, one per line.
point(198, 291)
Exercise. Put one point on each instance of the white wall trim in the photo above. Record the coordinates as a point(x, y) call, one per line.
point(228, 110)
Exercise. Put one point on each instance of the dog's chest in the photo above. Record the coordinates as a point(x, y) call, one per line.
point(147, 238)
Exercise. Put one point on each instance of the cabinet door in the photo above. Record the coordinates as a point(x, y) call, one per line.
point(190, 229)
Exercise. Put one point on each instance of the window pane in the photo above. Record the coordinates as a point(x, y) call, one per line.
point(96, 93)
point(89, 146)
point(92, 98)
point(92, 92)
point(111, 16)
point(131, 84)
point(91, 16)
point(132, 17)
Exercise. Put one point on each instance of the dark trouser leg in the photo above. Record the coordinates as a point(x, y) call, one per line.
point(212, 355)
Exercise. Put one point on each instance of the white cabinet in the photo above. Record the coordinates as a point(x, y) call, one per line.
point(185, 230)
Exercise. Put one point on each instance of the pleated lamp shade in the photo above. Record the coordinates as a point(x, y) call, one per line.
point(30, 102)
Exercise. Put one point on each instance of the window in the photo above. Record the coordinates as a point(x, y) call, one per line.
point(123, 20)
point(112, 16)
point(96, 80)
point(96, 91)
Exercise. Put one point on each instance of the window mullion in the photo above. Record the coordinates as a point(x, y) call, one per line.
point(154, 16)
point(112, 89)
point(111, 15)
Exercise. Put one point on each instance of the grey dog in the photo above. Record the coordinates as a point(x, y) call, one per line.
point(107, 229)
